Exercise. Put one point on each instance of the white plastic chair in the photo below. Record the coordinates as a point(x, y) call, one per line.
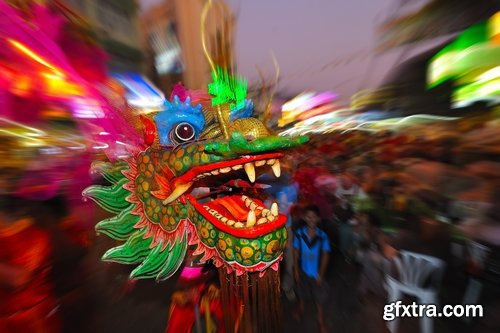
point(417, 275)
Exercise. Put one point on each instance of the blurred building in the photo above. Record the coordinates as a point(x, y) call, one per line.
point(472, 63)
point(116, 23)
point(415, 87)
point(171, 33)
point(164, 64)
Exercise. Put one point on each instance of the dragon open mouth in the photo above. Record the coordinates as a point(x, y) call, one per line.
point(233, 205)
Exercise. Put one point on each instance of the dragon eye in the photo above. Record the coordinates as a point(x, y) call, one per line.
point(183, 132)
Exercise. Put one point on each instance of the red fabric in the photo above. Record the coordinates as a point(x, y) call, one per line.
point(182, 317)
point(27, 309)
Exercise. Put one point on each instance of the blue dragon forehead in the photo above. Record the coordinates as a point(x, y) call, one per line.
point(176, 112)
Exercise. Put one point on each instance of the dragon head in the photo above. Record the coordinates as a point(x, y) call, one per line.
point(186, 189)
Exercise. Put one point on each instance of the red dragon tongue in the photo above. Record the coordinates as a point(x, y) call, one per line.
point(235, 206)
point(241, 211)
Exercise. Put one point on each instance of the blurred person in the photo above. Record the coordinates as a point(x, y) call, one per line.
point(367, 177)
point(374, 257)
point(311, 257)
point(196, 304)
point(397, 202)
point(347, 189)
point(344, 216)
point(486, 232)
point(399, 198)
point(361, 235)
point(422, 227)
point(346, 192)
point(305, 176)
point(486, 229)
point(27, 296)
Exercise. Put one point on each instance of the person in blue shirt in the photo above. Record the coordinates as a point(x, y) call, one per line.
point(311, 255)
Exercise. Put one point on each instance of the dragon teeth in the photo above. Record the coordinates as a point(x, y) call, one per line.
point(225, 170)
point(274, 209)
point(260, 163)
point(251, 218)
point(250, 170)
point(266, 212)
point(267, 215)
point(262, 220)
point(276, 168)
point(249, 203)
point(177, 192)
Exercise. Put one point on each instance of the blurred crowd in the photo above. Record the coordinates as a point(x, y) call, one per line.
point(430, 190)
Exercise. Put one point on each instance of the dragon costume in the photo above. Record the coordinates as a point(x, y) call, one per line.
point(151, 193)
point(159, 209)
point(186, 189)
